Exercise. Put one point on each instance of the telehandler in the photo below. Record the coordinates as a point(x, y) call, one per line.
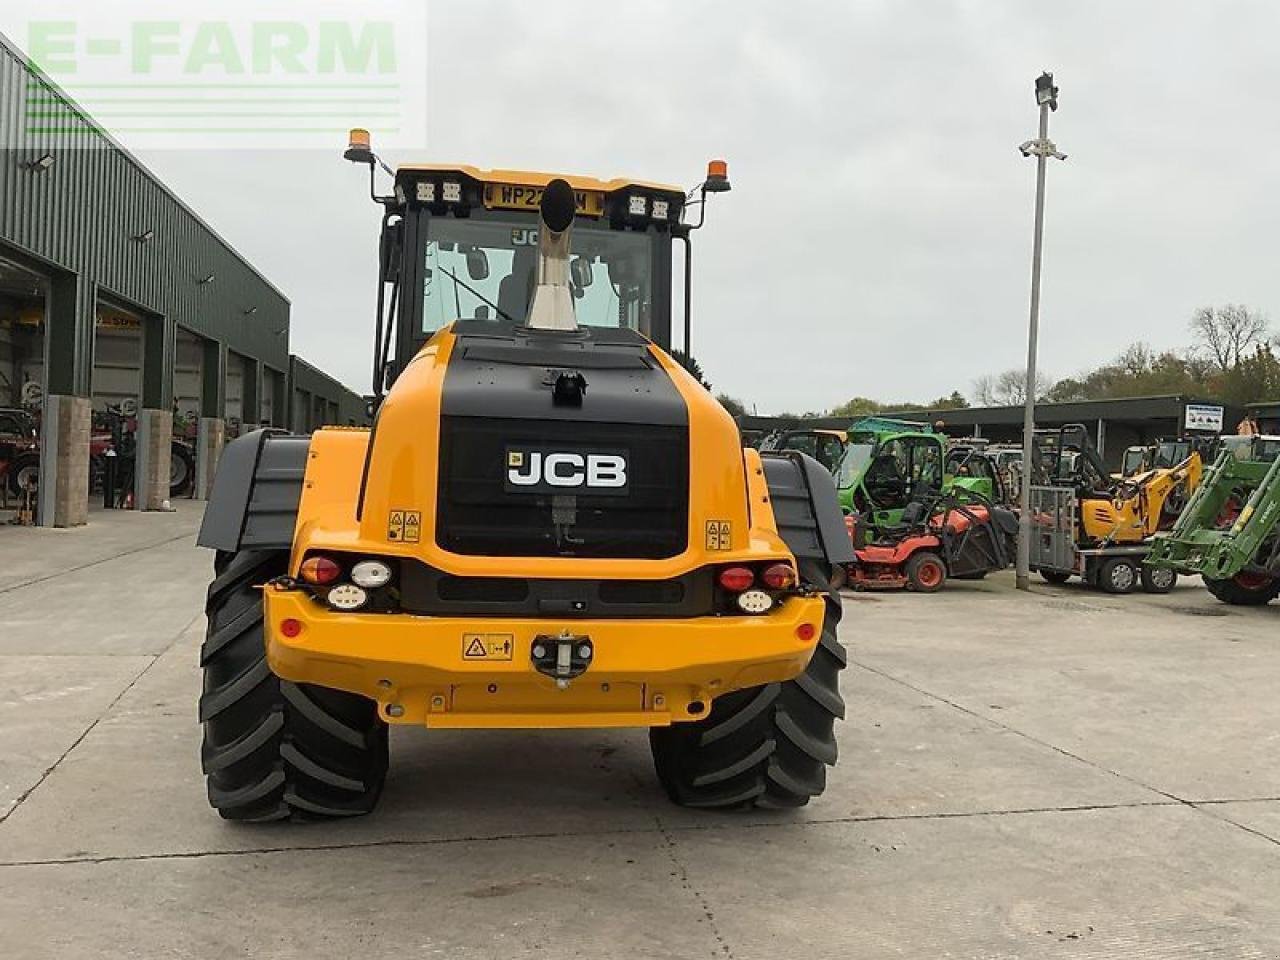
point(889, 464)
point(550, 524)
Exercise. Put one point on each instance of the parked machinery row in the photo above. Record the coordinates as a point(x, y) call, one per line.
point(922, 507)
point(113, 435)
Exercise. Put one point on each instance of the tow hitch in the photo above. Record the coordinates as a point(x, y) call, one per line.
point(562, 658)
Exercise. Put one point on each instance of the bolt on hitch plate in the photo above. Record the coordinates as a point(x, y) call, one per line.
point(561, 657)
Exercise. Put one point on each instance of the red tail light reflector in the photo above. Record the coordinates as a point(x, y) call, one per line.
point(319, 570)
point(779, 576)
point(736, 579)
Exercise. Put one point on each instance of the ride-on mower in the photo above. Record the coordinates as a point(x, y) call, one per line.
point(551, 524)
point(940, 537)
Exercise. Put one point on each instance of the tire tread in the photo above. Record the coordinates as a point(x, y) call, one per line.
point(274, 749)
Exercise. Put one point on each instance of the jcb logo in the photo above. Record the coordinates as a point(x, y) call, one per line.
point(566, 471)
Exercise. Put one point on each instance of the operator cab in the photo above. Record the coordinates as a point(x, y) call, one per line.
point(460, 243)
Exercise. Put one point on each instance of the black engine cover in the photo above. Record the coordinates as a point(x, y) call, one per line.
point(525, 473)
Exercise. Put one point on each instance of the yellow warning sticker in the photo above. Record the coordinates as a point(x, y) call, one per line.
point(404, 526)
point(412, 525)
point(719, 535)
point(487, 646)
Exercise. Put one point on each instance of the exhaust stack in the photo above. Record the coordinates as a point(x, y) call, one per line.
point(551, 307)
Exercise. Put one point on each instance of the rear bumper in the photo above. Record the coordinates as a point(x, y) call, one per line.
point(642, 673)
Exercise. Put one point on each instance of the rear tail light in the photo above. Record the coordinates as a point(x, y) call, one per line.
point(779, 576)
point(319, 570)
point(736, 579)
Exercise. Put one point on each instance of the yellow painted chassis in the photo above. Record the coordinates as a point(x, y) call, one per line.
point(645, 672)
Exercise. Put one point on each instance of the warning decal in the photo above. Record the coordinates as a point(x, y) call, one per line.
point(719, 535)
point(487, 646)
point(404, 526)
point(412, 525)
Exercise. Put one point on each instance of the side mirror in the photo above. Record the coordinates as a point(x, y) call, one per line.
point(580, 272)
point(477, 264)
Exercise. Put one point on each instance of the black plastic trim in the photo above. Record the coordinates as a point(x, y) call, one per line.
point(426, 590)
point(806, 507)
point(256, 491)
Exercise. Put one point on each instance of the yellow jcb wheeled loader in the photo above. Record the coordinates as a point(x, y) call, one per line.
point(550, 524)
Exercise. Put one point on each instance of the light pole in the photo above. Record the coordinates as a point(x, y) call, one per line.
point(1042, 148)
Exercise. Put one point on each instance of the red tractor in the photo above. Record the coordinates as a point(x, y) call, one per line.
point(940, 537)
point(19, 451)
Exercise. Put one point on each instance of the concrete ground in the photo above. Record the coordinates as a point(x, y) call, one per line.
point(1061, 775)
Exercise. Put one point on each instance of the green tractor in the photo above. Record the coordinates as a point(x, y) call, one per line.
point(889, 463)
point(1227, 532)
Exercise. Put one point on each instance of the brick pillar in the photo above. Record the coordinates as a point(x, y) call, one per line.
point(64, 461)
point(151, 482)
point(211, 435)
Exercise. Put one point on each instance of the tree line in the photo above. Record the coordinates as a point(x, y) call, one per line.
point(1231, 357)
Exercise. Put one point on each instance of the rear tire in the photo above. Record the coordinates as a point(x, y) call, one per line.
point(182, 469)
point(1158, 579)
point(274, 749)
point(925, 572)
point(1243, 594)
point(1118, 575)
point(764, 746)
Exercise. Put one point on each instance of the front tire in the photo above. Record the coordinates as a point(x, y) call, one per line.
point(1244, 590)
point(765, 746)
point(1158, 579)
point(274, 749)
point(925, 572)
point(1057, 577)
point(24, 474)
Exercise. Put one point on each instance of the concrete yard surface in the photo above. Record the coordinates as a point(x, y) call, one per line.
point(1056, 775)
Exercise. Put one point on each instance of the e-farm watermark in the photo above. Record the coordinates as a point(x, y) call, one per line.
point(264, 74)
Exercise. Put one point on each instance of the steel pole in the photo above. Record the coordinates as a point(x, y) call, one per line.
point(1023, 569)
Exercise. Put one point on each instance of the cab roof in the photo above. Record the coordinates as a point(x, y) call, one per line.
point(533, 178)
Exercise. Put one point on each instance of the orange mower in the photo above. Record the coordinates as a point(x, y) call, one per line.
point(940, 537)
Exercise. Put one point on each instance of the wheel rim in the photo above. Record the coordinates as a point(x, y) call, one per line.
point(930, 573)
point(1162, 579)
point(177, 469)
point(27, 478)
point(1122, 576)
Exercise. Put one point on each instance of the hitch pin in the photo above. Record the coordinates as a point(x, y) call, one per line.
point(564, 661)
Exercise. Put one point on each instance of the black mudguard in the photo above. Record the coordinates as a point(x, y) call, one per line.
point(807, 507)
point(254, 501)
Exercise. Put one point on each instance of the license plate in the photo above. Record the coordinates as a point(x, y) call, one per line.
point(501, 196)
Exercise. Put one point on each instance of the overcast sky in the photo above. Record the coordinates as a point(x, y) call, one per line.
point(877, 239)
